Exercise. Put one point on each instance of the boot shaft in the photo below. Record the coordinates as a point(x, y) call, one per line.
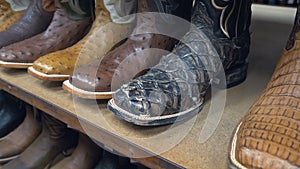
point(295, 33)
point(230, 18)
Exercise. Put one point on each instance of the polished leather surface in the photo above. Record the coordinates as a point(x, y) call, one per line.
point(7, 16)
point(85, 156)
point(18, 140)
point(98, 76)
point(61, 33)
point(268, 135)
point(101, 38)
point(54, 138)
point(34, 21)
point(12, 113)
point(180, 80)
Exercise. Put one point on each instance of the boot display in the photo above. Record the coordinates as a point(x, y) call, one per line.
point(34, 21)
point(268, 135)
point(175, 88)
point(63, 31)
point(12, 113)
point(54, 139)
point(85, 156)
point(8, 16)
point(12, 145)
point(57, 66)
point(98, 85)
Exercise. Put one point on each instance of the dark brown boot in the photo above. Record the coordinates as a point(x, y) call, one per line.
point(85, 156)
point(34, 21)
point(17, 141)
point(64, 31)
point(54, 139)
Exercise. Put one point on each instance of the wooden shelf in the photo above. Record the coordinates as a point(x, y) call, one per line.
point(174, 146)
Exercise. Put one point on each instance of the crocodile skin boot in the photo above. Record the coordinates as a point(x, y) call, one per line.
point(268, 137)
point(8, 16)
point(64, 31)
point(18, 140)
point(54, 139)
point(98, 85)
point(34, 21)
point(85, 156)
point(174, 89)
point(12, 113)
point(57, 66)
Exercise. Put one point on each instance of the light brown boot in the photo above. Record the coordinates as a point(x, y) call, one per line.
point(17, 141)
point(268, 137)
point(85, 156)
point(54, 139)
point(7, 16)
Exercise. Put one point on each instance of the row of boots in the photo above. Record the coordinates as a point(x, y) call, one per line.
point(40, 141)
point(104, 52)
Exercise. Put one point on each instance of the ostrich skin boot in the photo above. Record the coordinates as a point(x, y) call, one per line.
point(103, 35)
point(54, 139)
point(268, 137)
point(85, 156)
point(34, 21)
point(62, 32)
point(175, 88)
point(95, 79)
point(7, 16)
point(12, 113)
point(12, 145)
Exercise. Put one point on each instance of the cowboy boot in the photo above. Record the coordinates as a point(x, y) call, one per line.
point(35, 20)
point(268, 135)
point(12, 145)
point(65, 30)
point(8, 16)
point(12, 113)
point(54, 139)
point(85, 156)
point(174, 89)
point(57, 66)
point(98, 85)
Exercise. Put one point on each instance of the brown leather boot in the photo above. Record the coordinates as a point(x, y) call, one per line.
point(63, 32)
point(17, 141)
point(95, 79)
point(85, 156)
point(34, 21)
point(54, 139)
point(268, 137)
point(7, 16)
point(57, 66)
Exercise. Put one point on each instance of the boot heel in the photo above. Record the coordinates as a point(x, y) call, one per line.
point(236, 75)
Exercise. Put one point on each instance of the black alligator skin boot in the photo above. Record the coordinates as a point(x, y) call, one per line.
point(174, 89)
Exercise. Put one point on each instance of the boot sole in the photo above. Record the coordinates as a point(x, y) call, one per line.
point(85, 94)
point(154, 121)
point(47, 77)
point(233, 163)
point(15, 65)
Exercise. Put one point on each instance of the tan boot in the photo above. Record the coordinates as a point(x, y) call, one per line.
point(17, 141)
point(85, 156)
point(103, 35)
point(268, 137)
point(54, 139)
point(7, 16)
